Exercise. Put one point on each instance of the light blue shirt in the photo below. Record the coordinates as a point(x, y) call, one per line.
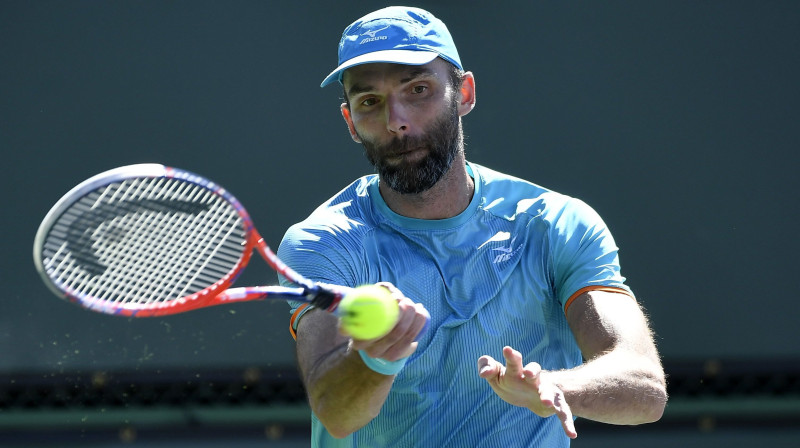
point(500, 273)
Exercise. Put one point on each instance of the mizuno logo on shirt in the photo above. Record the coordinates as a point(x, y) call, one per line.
point(507, 251)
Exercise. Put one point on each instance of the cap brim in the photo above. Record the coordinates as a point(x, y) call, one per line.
point(406, 57)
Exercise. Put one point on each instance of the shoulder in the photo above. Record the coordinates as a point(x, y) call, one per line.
point(509, 196)
point(328, 245)
point(344, 216)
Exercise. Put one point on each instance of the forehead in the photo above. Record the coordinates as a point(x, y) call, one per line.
point(398, 73)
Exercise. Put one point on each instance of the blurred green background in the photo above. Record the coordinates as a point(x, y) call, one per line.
point(677, 121)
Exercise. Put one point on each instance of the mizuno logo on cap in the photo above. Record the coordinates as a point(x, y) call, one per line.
point(372, 36)
point(373, 32)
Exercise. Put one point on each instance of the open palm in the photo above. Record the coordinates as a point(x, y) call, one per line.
point(526, 386)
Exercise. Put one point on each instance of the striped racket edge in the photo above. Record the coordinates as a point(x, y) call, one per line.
point(150, 240)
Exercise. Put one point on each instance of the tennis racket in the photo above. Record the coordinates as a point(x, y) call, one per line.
point(149, 240)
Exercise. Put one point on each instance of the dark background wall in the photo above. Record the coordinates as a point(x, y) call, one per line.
point(677, 121)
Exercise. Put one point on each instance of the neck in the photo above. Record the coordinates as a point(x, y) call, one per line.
point(450, 196)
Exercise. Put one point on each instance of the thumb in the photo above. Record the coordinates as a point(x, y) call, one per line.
point(488, 367)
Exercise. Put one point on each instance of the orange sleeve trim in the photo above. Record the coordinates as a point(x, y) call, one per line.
point(295, 315)
point(595, 288)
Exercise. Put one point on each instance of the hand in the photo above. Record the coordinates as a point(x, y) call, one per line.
point(401, 341)
point(526, 387)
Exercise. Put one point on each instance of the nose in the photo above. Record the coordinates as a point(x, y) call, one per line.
point(396, 117)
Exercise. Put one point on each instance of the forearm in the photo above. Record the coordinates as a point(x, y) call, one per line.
point(622, 381)
point(343, 393)
point(618, 387)
point(346, 393)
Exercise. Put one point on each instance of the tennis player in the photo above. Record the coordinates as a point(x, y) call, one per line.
point(518, 279)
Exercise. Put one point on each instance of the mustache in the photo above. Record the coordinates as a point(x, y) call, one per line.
point(397, 146)
point(442, 141)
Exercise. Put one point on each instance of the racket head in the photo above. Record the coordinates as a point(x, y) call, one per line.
point(144, 240)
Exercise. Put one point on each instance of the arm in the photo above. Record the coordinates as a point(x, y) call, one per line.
point(335, 377)
point(343, 392)
point(622, 381)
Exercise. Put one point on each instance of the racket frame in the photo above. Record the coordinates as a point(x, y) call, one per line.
point(321, 295)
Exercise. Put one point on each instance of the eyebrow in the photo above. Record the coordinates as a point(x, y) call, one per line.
point(417, 72)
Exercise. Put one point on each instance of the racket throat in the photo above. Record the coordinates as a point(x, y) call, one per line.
point(326, 296)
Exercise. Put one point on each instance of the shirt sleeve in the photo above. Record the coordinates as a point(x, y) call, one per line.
point(312, 254)
point(584, 254)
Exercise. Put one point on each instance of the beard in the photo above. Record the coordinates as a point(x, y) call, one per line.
point(443, 140)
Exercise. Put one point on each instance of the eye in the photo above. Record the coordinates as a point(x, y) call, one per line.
point(369, 101)
point(419, 89)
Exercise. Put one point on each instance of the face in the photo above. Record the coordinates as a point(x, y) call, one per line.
point(413, 164)
point(408, 120)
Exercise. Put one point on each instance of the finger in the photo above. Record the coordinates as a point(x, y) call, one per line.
point(513, 362)
point(569, 428)
point(379, 348)
point(532, 372)
point(547, 396)
point(415, 318)
point(553, 398)
point(423, 318)
point(399, 342)
point(396, 293)
point(565, 415)
point(488, 367)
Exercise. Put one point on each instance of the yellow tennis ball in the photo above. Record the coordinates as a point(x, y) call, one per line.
point(368, 312)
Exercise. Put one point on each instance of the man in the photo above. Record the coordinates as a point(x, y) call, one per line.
point(479, 262)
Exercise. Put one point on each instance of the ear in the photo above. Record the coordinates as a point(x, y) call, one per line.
point(349, 120)
point(466, 94)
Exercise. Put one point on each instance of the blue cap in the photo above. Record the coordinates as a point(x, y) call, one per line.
point(397, 35)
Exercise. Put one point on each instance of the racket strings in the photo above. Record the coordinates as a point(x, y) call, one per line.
point(126, 262)
point(157, 275)
point(131, 274)
point(217, 229)
point(152, 240)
